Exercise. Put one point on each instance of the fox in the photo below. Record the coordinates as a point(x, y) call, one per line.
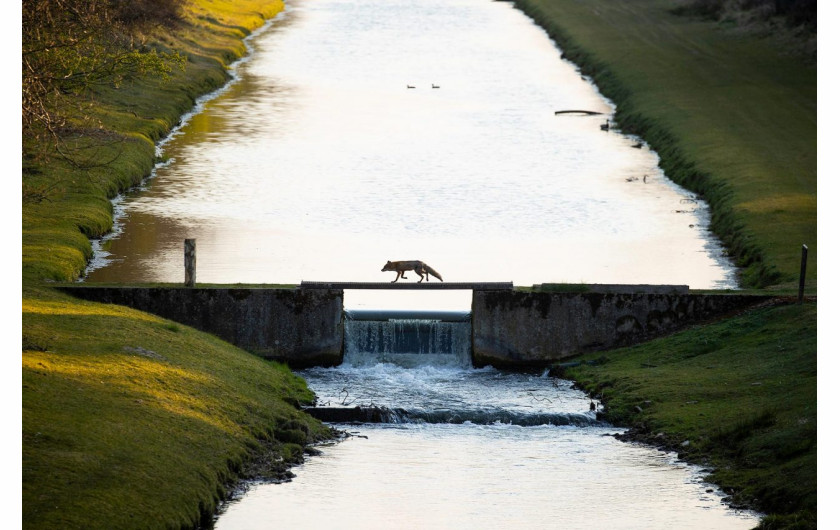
point(400, 267)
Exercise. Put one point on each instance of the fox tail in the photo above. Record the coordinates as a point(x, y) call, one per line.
point(433, 272)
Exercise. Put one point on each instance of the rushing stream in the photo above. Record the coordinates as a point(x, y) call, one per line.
point(360, 131)
point(473, 448)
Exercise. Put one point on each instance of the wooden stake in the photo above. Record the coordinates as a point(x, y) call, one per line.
point(189, 262)
point(802, 268)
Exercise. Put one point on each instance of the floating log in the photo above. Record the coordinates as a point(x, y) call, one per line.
point(585, 112)
point(359, 414)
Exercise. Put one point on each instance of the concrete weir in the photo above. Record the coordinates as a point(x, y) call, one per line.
point(517, 328)
point(300, 327)
point(511, 328)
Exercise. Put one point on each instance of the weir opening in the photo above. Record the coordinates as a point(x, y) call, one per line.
point(415, 367)
point(407, 338)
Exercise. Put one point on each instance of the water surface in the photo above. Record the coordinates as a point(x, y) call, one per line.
point(498, 451)
point(319, 163)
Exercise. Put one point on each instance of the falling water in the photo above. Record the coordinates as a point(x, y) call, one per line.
point(372, 337)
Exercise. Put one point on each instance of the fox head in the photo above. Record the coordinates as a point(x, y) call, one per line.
point(388, 266)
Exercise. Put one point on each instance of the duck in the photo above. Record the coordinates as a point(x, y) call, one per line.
point(605, 126)
point(409, 86)
point(435, 86)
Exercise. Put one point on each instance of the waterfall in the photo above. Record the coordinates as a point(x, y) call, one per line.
point(407, 338)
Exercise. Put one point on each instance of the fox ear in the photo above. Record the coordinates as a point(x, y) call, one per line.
point(389, 262)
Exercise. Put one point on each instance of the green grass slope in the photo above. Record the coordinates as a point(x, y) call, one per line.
point(733, 117)
point(132, 421)
point(739, 395)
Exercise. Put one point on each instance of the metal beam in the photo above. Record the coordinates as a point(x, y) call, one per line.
point(431, 286)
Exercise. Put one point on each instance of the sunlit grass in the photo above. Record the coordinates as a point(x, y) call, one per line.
point(73, 307)
point(129, 417)
point(780, 204)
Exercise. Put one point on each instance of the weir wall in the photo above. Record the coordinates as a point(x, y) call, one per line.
point(515, 328)
point(510, 328)
point(300, 327)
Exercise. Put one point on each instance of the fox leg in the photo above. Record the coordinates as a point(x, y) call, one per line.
point(420, 271)
point(398, 276)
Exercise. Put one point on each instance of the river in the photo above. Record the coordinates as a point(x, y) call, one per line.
point(360, 131)
point(471, 448)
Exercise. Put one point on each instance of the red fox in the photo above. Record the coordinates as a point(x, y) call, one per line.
point(400, 267)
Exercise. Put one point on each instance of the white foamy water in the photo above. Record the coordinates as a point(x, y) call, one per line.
point(496, 451)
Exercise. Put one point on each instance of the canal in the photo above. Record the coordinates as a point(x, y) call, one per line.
point(361, 131)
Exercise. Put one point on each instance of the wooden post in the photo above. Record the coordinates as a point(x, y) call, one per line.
point(189, 262)
point(802, 272)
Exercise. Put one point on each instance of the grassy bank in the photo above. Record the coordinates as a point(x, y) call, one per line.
point(110, 139)
point(128, 420)
point(132, 421)
point(733, 117)
point(739, 396)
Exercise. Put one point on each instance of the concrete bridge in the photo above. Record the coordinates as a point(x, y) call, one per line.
point(511, 327)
